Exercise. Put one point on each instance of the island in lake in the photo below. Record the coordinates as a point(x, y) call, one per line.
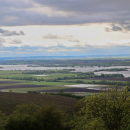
point(113, 69)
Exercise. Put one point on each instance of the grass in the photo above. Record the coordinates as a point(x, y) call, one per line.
point(49, 83)
point(84, 94)
point(15, 75)
point(8, 101)
point(12, 74)
point(88, 80)
point(54, 76)
point(11, 84)
point(37, 88)
point(6, 79)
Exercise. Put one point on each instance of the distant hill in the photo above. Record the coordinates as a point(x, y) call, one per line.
point(62, 57)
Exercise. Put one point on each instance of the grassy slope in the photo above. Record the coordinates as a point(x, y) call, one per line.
point(8, 101)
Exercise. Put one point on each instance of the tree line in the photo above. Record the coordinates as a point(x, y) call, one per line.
point(104, 82)
point(47, 71)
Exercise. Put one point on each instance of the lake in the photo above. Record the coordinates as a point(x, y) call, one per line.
point(77, 69)
point(82, 85)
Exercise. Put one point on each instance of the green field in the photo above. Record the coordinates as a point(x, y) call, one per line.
point(53, 76)
point(52, 81)
point(37, 88)
point(13, 74)
point(49, 83)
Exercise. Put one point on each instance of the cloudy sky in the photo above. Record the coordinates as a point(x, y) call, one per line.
point(64, 27)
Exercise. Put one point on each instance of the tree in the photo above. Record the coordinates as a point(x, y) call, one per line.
point(50, 118)
point(22, 122)
point(61, 91)
point(3, 119)
point(32, 117)
point(27, 109)
point(111, 108)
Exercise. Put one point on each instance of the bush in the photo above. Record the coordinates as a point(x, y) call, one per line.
point(31, 117)
point(111, 108)
point(50, 118)
point(33, 92)
point(22, 122)
point(2, 120)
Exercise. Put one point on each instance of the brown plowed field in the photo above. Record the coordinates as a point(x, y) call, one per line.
point(113, 79)
point(8, 82)
point(73, 90)
point(8, 101)
point(23, 86)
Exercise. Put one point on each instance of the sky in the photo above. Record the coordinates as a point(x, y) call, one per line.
point(64, 27)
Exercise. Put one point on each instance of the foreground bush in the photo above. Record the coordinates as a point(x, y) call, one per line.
point(109, 110)
point(3, 119)
point(30, 117)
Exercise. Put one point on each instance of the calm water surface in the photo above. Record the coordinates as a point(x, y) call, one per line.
point(77, 69)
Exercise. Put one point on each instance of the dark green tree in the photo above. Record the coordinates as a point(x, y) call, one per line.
point(109, 110)
point(3, 119)
point(32, 117)
point(50, 118)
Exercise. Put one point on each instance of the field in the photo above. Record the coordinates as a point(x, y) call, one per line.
point(42, 87)
point(8, 101)
point(9, 83)
point(15, 85)
point(15, 74)
point(17, 81)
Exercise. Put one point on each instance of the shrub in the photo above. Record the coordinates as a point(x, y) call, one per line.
point(111, 108)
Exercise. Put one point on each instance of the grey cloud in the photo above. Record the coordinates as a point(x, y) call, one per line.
point(71, 40)
point(125, 25)
point(51, 36)
point(69, 36)
point(114, 28)
point(1, 30)
point(10, 33)
point(16, 4)
point(2, 40)
point(87, 6)
point(21, 33)
point(16, 13)
point(16, 41)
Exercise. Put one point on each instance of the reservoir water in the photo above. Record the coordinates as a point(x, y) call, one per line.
point(77, 69)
